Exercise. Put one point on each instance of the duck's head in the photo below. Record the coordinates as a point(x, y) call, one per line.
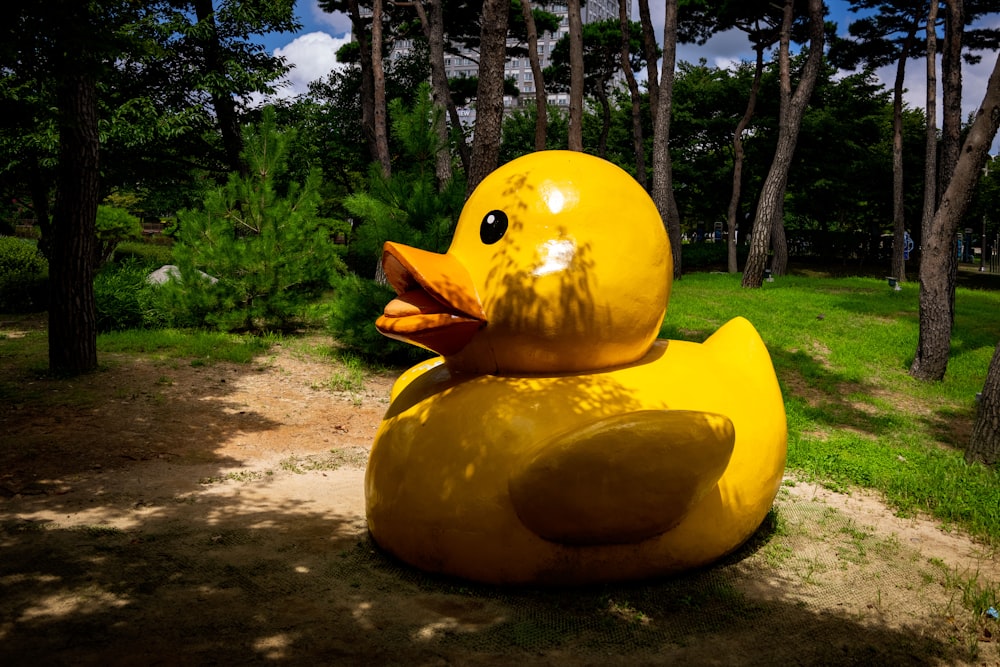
point(559, 263)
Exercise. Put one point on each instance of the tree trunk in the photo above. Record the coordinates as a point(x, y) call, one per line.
point(541, 100)
point(649, 51)
point(432, 23)
point(951, 116)
point(40, 187)
point(984, 445)
point(489, 93)
point(638, 146)
point(770, 205)
point(779, 245)
point(898, 210)
point(934, 340)
point(576, 73)
point(72, 318)
point(378, 78)
point(930, 151)
point(602, 140)
point(951, 91)
point(222, 102)
point(738, 156)
point(363, 35)
point(663, 187)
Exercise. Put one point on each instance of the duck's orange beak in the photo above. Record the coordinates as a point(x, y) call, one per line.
point(437, 306)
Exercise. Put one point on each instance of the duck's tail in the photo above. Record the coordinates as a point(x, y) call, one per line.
point(738, 345)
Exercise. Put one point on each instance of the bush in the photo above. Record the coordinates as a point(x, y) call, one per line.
point(358, 303)
point(114, 225)
point(705, 256)
point(125, 300)
point(23, 276)
point(260, 240)
point(154, 254)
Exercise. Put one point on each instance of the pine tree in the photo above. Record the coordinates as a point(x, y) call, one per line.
point(256, 251)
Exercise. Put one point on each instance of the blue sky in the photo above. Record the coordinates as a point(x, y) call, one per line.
point(312, 51)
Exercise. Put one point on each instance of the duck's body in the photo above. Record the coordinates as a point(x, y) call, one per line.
point(546, 445)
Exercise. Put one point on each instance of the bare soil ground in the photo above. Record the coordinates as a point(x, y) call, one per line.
point(164, 513)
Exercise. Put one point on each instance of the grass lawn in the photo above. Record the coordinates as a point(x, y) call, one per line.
point(842, 348)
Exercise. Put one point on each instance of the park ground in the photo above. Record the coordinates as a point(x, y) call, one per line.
point(164, 512)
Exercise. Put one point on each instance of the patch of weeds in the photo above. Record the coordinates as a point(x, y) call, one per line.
point(349, 376)
point(976, 594)
point(776, 554)
point(627, 612)
point(23, 526)
point(99, 531)
point(856, 549)
point(337, 458)
point(811, 569)
point(245, 476)
point(240, 476)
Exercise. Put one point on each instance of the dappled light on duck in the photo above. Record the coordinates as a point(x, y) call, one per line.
point(555, 440)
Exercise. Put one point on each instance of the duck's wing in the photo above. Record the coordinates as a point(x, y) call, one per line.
point(622, 479)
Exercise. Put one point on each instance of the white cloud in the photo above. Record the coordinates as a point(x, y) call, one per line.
point(336, 23)
point(312, 56)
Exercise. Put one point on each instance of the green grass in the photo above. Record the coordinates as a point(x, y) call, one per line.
point(842, 348)
point(202, 347)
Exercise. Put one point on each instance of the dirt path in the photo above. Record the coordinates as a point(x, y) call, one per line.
point(163, 513)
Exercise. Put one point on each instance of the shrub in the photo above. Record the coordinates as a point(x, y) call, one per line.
point(114, 225)
point(153, 254)
point(409, 207)
point(358, 303)
point(125, 300)
point(23, 276)
point(260, 239)
point(705, 256)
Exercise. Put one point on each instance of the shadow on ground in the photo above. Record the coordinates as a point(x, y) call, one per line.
point(221, 581)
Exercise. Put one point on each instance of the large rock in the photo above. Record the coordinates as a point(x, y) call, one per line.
point(169, 272)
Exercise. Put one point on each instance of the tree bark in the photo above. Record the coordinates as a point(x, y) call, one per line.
point(770, 205)
point(951, 91)
point(72, 317)
point(638, 145)
point(378, 79)
point(40, 187)
point(602, 141)
point(984, 445)
point(779, 244)
point(489, 93)
point(222, 102)
point(934, 339)
point(649, 51)
point(575, 142)
point(541, 99)
point(432, 23)
point(363, 36)
point(663, 186)
point(951, 116)
point(930, 151)
point(898, 210)
point(738, 156)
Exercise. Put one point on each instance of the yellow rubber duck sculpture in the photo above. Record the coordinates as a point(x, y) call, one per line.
point(555, 440)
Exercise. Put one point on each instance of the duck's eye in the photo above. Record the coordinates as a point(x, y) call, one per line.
point(493, 228)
